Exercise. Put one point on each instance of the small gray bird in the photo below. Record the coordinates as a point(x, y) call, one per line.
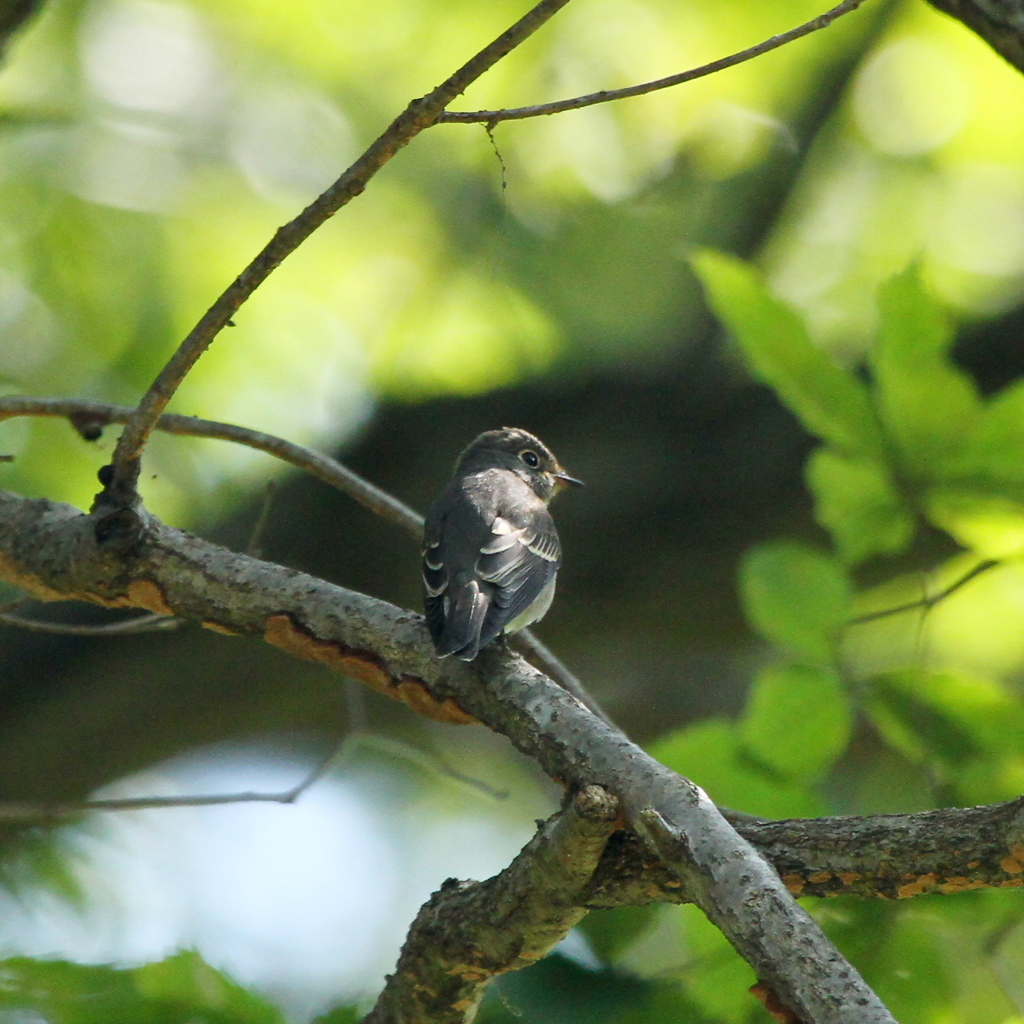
point(490, 548)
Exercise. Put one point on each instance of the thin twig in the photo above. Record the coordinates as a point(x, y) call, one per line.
point(99, 414)
point(551, 665)
point(150, 623)
point(491, 117)
point(426, 759)
point(90, 417)
point(142, 624)
point(419, 115)
point(929, 601)
point(13, 811)
point(259, 530)
point(16, 811)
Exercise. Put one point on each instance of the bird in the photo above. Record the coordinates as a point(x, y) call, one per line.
point(490, 548)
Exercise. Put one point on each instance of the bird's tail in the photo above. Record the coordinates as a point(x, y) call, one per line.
point(464, 618)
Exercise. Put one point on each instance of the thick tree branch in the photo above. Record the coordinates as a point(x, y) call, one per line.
point(469, 932)
point(89, 418)
point(491, 117)
point(51, 550)
point(119, 492)
point(891, 856)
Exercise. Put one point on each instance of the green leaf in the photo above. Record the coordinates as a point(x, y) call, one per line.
point(995, 449)
point(715, 976)
point(712, 755)
point(795, 597)
point(798, 719)
point(914, 726)
point(67, 993)
point(928, 405)
point(921, 987)
point(856, 500)
point(186, 982)
point(992, 525)
point(610, 932)
point(972, 727)
point(829, 400)
point(182, 989)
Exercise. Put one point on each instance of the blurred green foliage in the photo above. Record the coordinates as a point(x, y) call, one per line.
point(148, 149)
point(918, 424)
point(182, 989)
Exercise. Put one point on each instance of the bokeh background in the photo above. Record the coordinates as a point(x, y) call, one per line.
point(540, 278)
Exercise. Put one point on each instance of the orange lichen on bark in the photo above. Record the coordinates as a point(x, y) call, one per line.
point(919, 885)
point(143, 593)
point(794, 883)
point(146, 593)
point(281, 631)
point(770, 1001)
point(11, 573)
point(1014, 864)
point(959, 884)
point(423, 702)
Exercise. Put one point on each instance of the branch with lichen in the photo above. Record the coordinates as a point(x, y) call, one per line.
point(467, 933)
point(52, 551)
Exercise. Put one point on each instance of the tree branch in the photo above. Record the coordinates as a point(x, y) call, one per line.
point(888, 856)
point(89, 418)
point(929, 602)
point(469, 932)
point(119, 492)
point(51, 551)
point(492, 117)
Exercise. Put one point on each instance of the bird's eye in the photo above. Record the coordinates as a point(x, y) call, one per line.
point(530, 458)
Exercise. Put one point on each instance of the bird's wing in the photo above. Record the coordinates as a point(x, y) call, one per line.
point(519, 562)
point(482, 571)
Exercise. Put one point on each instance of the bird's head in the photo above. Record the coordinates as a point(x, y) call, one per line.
point(522, 453)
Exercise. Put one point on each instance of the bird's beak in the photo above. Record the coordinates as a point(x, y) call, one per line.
point(562, 479)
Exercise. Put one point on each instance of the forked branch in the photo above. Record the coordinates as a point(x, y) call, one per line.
point(491, 117)
point(119, 491)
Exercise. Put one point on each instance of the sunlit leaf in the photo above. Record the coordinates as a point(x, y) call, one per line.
point(187, 983)
point(914, 726)
point(928, 405)
point(712, 755)
point(796, 597)
point(713, 974)
point(912, 972)
point(829, 400)
point(182, 989)
point(991, 525)
point(798, 719)
point(995, 448)
point(972, 727)
point(857, 501)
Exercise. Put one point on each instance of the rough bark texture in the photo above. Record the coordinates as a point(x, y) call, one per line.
point(469, 932)
point(53, 551)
